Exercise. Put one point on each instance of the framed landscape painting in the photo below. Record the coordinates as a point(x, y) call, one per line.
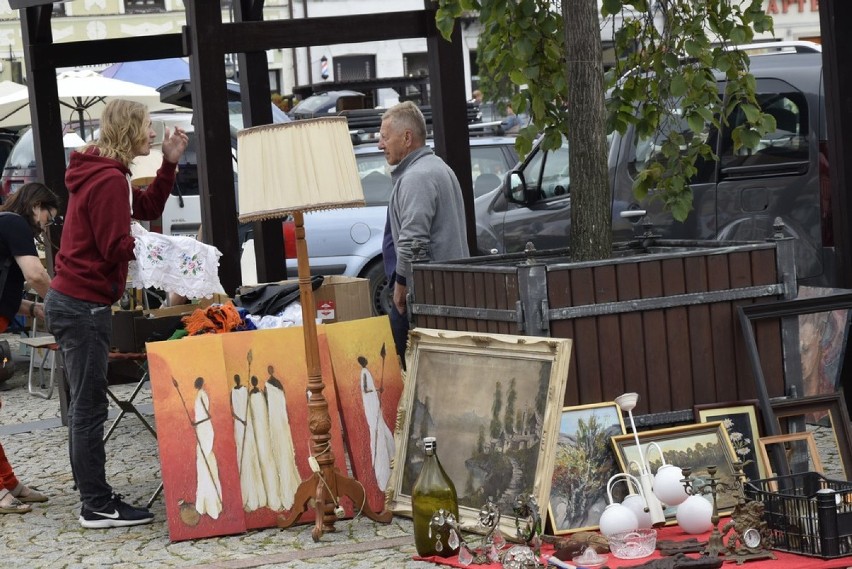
point(493, 401)
point(696, 446)
point(583, 465)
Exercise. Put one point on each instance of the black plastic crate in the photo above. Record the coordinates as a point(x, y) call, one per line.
point(807, 513)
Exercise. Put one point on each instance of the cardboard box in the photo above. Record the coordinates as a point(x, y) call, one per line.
point(338, 299)
point(342, 298)
point(132, 328)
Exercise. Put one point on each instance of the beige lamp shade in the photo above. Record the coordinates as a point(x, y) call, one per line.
point(298, 166)
point(143, 169)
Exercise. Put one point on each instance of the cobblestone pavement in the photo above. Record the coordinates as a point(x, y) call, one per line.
point(51, 537)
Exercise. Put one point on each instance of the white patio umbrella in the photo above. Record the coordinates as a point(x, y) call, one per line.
point(9, 87)
point(84, 94)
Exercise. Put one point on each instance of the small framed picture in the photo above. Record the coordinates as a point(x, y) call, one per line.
point(794, 453)
point(584, 464)
point(740, 419)
point(695, 446)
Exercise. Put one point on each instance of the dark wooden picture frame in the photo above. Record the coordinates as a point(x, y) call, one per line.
point(748, 314)
point(826, 416)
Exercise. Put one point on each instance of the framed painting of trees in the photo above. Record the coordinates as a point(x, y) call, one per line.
point(493, 401)
point(583, 464)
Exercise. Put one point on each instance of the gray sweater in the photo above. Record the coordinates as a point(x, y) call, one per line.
point(426, 209)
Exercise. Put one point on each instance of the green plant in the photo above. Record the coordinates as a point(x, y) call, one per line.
point(668, 54)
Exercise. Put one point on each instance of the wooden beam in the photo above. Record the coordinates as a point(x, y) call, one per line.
point(254, 88)
point(449, 111)
point(213, 134)
point(283, 34)
point(72, 54)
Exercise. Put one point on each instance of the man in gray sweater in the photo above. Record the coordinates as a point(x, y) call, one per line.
point(425, 212)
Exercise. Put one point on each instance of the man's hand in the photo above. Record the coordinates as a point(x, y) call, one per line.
point(399, 291)
point(174, 143)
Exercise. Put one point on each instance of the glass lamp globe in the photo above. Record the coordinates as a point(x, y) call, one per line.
point(694, 514)
point(668, 486)
point(636, 504)
point(617, 518)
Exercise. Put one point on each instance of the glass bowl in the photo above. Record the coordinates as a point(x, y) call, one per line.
point(633, 544)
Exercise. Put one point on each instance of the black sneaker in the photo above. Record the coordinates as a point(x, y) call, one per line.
point(115, 514)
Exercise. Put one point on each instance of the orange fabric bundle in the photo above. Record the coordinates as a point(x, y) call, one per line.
point(216, 319)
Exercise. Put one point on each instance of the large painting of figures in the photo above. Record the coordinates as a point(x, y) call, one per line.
point(198, 457)
point(493, 401)
point(369, 383)
point(268, 382)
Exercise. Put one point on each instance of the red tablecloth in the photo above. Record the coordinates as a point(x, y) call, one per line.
point(784, 560)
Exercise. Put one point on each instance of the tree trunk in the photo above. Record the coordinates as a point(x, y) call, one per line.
point(591, 224)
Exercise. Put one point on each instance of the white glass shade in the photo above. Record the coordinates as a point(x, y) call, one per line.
point(636, 504)
point(297, 166)
point(668, 486)
point(627, 401)
point(617, 518)
point(694, 514)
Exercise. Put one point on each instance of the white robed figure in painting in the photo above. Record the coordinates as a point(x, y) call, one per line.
point(208, 494)
point(381, 438)
point(251, 481)
point(259, 412)
point(282, 440)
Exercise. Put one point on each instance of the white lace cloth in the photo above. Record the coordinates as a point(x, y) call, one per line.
point(182, 265)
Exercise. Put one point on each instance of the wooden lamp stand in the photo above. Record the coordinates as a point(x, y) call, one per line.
point(327, 484)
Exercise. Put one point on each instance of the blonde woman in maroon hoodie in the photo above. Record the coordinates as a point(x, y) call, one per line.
point(90, 275)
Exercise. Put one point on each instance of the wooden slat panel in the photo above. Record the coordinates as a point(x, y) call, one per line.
point(461, 299)
point(485, 297)
point(609, 335)
point(558, 286)
point(586, 338)
point(720, 323)
point(701, 346)
point(632, 336)
point(677, 337)
point(431, 278)
point(741, 276)
point(512, 296)
point(654, 327)
point(767, 333)
point(472, 298)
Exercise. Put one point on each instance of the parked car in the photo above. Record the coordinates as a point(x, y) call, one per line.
point(321, 104)
point(737, 197)
point(349, 241)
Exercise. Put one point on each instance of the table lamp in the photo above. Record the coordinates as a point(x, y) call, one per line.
point(287, 169)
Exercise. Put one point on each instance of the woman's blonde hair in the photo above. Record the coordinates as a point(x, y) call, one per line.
point(124, 128)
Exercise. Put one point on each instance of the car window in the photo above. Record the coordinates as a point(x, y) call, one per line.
point(547, 172)
point(488, 167)
point(23, 154)
point(375, 178)
point(788, 143)
point(647, 150)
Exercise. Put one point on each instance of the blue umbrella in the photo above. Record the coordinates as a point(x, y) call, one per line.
point(153, 72)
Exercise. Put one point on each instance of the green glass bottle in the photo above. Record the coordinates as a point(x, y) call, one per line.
point(433, 491)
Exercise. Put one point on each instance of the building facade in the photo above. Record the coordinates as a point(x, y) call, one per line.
point(81, 20)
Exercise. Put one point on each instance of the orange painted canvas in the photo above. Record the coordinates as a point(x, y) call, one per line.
point(369, 385)
point(268, 366)
point(196, 438)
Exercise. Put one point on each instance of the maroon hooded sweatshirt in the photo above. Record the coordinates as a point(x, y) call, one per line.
point(96, 246)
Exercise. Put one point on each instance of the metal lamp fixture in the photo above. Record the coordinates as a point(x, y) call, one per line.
point(655, 489)
point(288, 169)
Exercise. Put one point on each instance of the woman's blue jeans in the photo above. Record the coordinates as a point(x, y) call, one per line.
point(83, 331)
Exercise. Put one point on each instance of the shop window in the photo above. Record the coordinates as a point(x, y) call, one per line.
point(144, 6)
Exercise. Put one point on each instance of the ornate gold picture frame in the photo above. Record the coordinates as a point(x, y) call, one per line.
point(493, 401)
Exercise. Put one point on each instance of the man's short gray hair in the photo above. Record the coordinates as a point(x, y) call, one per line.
point(407, 115)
